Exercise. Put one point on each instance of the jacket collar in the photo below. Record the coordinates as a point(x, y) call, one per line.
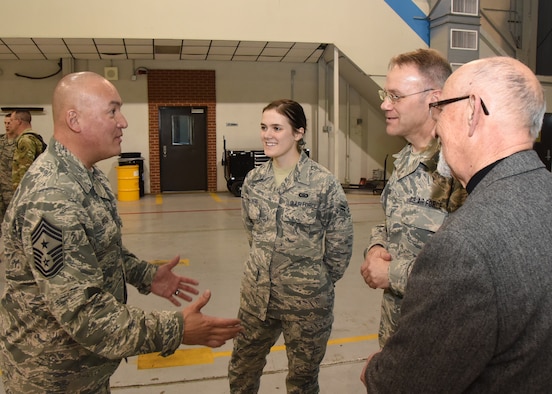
point(87, 179)
point(516, 163)
point(299, 174)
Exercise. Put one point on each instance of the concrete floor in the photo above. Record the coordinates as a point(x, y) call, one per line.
point(205, 229)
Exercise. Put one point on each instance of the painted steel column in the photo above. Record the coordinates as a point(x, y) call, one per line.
point(347, 133)
point(334, 140)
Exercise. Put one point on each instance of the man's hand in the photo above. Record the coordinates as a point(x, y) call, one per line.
point(170, 286)
point(200, 329)
point(375, 268)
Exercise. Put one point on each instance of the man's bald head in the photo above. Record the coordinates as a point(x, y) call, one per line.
point(73, 91)
point(87, 116)
point(510, 87)
point(495, 108)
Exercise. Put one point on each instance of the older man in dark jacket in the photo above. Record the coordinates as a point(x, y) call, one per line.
point(477, 312)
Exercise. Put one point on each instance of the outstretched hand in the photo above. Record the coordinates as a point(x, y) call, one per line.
point(200, 329)
point(172, 287)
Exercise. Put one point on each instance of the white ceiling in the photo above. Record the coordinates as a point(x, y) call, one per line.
point(158, 49)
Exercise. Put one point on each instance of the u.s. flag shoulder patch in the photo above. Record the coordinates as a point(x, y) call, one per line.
point(47, 248)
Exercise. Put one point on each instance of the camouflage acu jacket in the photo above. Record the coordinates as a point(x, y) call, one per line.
point(7, 149)
point(301, 238)
point(64, 324)
point(28, 147)
point(416, 201)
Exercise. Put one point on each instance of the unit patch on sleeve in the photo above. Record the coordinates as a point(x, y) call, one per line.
point(47, 249)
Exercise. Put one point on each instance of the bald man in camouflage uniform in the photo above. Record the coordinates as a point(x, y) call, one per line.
point(64, 321)
point(417, 199)
point(27, 144)
point(7, 148)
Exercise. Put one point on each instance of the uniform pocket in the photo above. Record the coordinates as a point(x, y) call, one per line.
point(424, 218)
point(253, 212)
point(302, 215)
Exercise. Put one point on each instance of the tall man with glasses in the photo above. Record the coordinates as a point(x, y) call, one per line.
point(416, 200)
point(476, 317)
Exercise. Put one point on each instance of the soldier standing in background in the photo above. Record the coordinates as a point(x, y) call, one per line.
point(7, 148)
point(7, 121)
point(64, 320)
point(417, 199)
point(28, 145)
point(301, 236)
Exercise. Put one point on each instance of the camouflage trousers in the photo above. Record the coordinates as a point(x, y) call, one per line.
point(305, 340)
point(5, 198)
point(390, 313)
point(41, 387)
point(22, 377)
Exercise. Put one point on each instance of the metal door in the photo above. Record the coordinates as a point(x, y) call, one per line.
point(183, 145)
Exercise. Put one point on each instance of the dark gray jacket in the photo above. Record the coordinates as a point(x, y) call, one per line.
point(477, 315)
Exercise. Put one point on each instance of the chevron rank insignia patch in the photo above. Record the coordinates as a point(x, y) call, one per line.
point(47, 249)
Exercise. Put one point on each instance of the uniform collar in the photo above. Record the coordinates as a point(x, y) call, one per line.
point(82, 175)
point(298, 174)
point(428, 158)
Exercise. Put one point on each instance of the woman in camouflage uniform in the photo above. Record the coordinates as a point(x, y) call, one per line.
point(301, 236)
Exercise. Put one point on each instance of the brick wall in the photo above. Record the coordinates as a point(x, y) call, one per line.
point(181, 88)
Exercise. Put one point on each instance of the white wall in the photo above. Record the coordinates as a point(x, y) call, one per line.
point(359, 28)
point(488, 48)
point(367, 32)
point(355, 27)
point(243, 89)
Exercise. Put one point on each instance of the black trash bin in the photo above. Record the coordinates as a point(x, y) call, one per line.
point(133, 158)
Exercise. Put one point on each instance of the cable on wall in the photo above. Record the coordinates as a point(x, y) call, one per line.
point(44, 77)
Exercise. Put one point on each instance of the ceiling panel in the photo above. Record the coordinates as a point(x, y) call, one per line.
point(148, 49)
point(219, 57)
point(134, 41)
point(222, 50)
point(111, 49)
point(140, 56)
point(248, 51)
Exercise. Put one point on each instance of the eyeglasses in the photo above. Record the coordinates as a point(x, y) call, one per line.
point(438, 106)
point(383, 94)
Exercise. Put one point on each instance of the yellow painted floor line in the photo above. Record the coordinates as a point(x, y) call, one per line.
point(158, 199)
point(184, 357)
point(160, 262)
point(179, 358)
point(205, 355)
point(339, 341)
point(215, 197)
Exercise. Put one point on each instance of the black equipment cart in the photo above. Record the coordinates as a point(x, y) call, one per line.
point(237, 163)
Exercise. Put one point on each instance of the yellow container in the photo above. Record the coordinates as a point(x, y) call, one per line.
point(127, 183)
